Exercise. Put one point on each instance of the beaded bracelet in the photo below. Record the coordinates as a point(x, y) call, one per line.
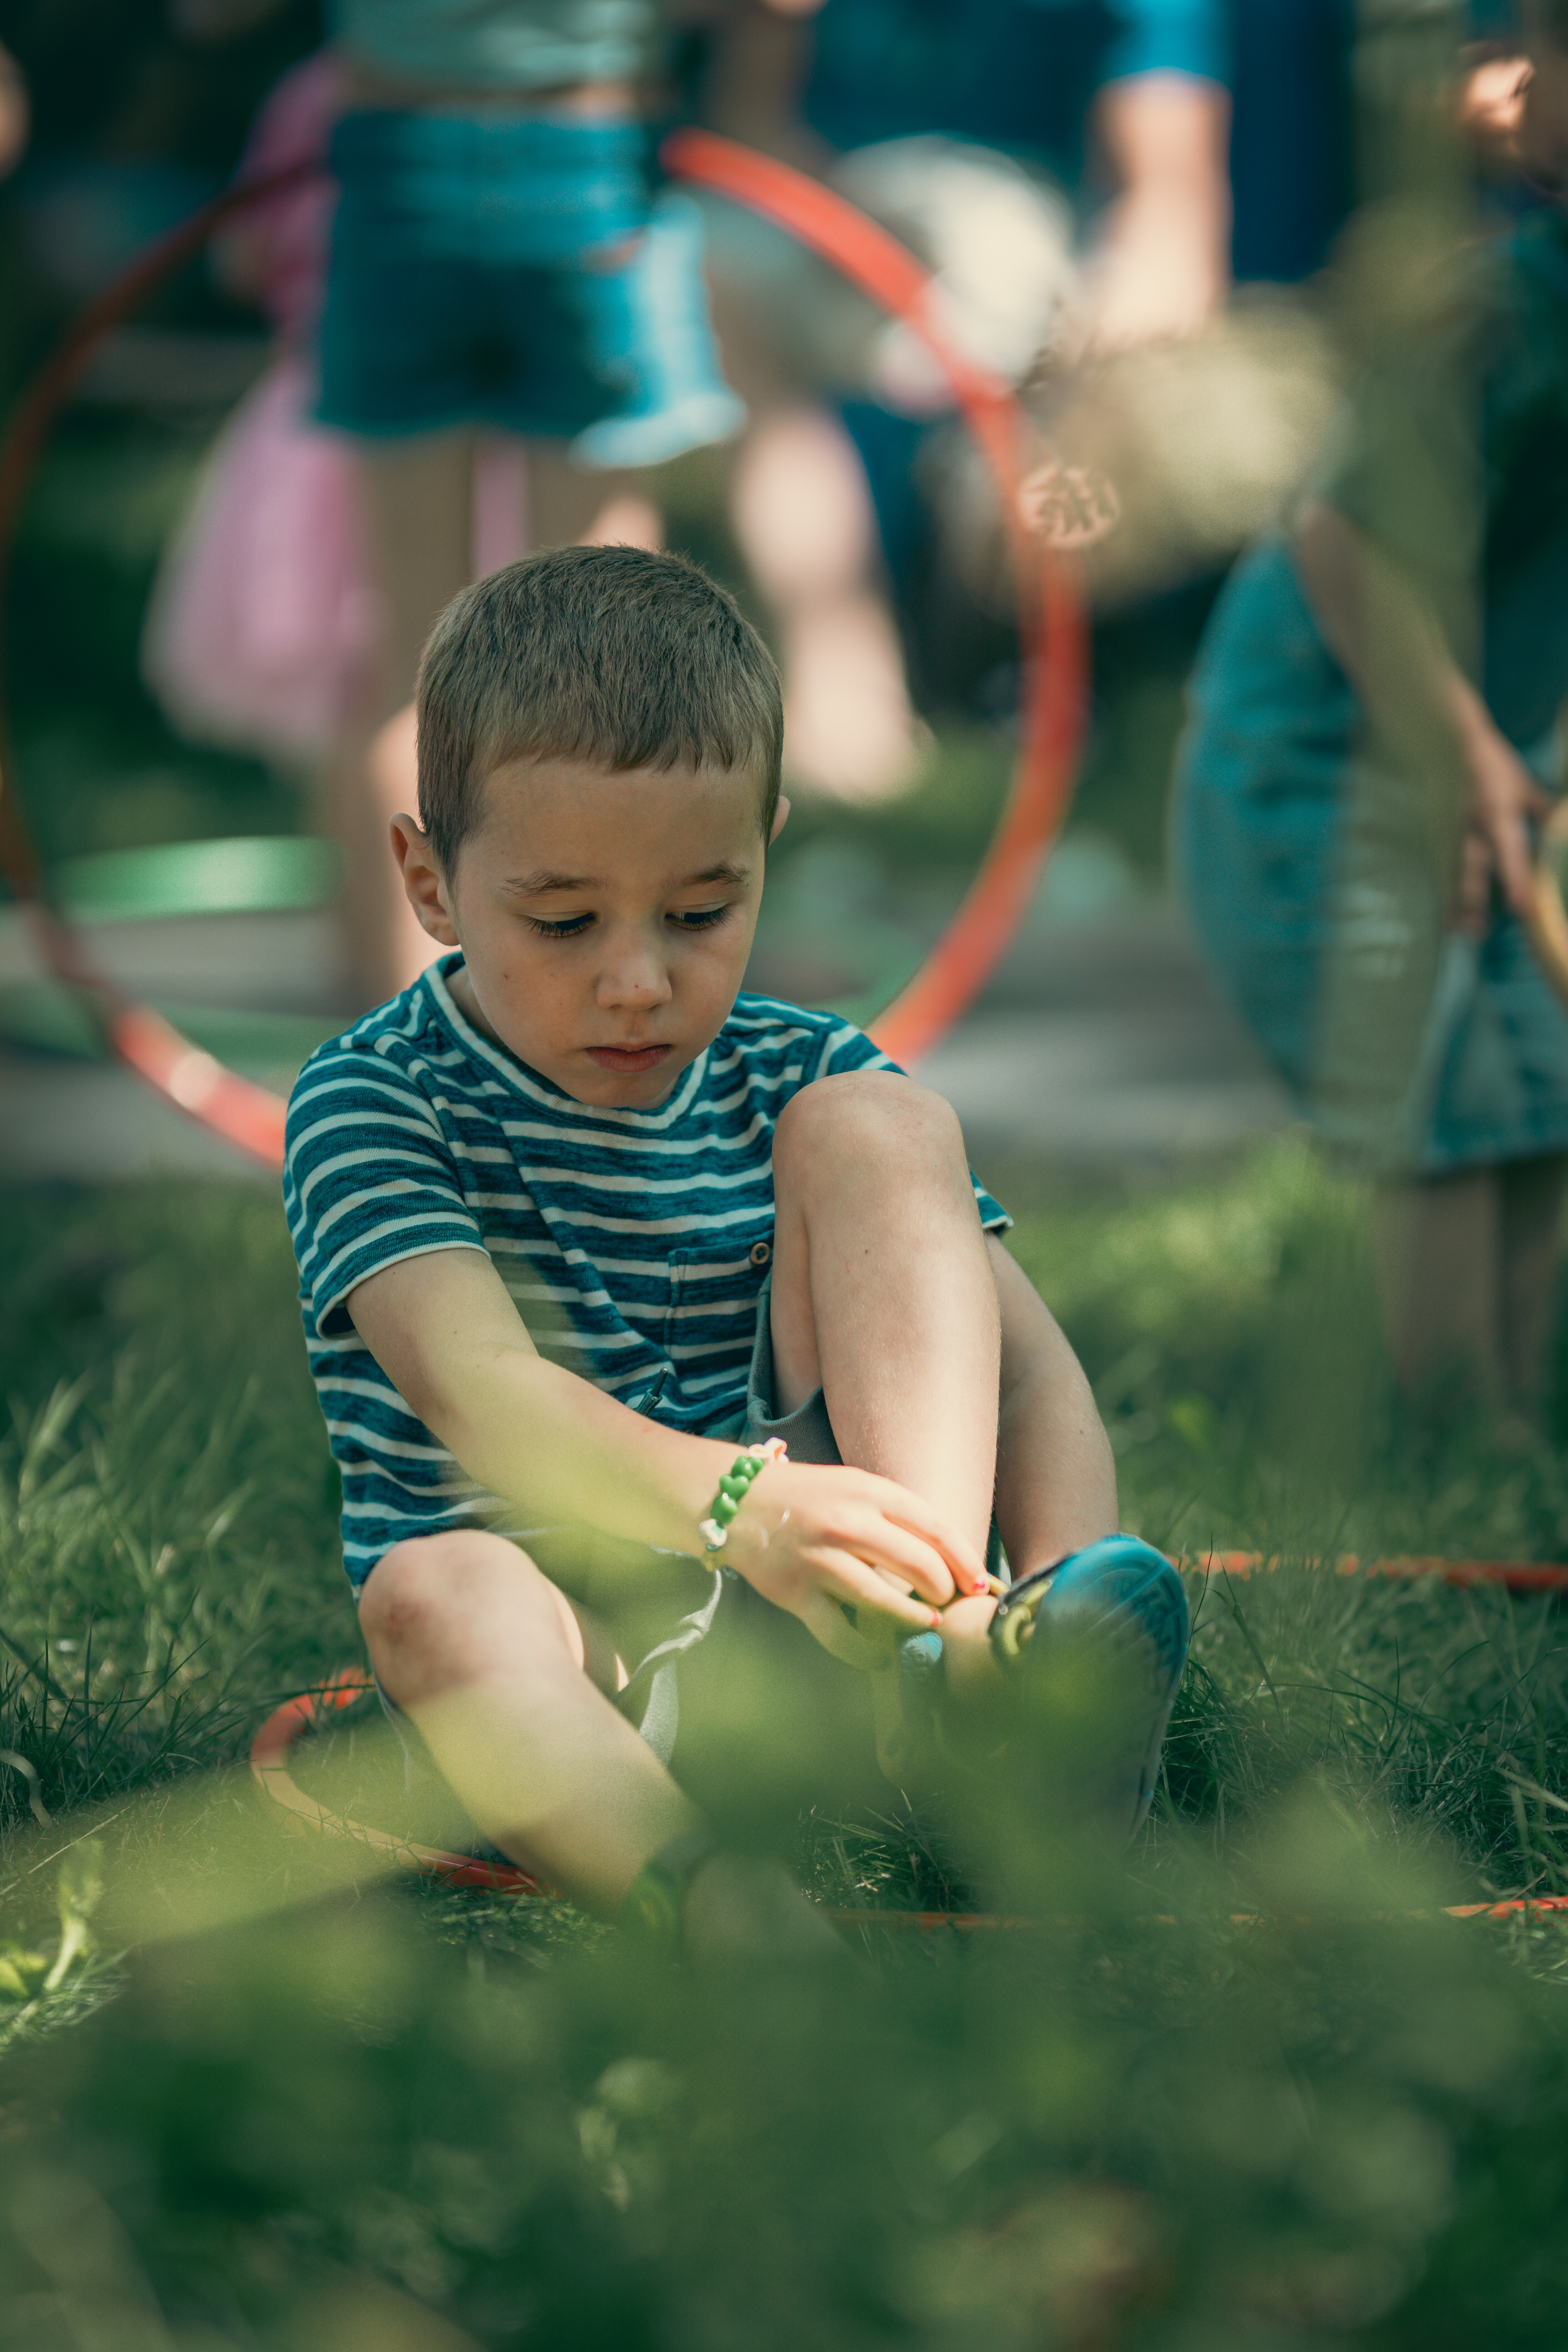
point(714, 1529)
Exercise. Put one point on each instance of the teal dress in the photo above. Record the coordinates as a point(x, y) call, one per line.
point(1305, 849)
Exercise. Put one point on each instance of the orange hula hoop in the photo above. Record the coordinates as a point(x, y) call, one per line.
point(272, 1748)
point(249, 1115)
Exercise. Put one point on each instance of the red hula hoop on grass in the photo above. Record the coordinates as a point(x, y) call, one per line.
point(269, 1764)
point(249, 1115)
point(270, 1754)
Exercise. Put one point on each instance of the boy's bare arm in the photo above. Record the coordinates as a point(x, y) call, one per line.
point(446, 1334)
point(1056, 1477)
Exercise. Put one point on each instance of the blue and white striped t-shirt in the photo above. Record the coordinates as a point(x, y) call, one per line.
point(634, 1243)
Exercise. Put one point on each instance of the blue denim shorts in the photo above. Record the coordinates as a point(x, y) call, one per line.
point(515, 271)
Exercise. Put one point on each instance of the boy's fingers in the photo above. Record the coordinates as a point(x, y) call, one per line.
point(902, 1509)
point(827, 1623)
point(883, 1545)
point(845, 1577)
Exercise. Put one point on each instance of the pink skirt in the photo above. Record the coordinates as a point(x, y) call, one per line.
point(262, 627)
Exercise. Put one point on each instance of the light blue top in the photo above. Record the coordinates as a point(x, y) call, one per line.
point(1016, 74)
point(499, 45)
point(634, 1243)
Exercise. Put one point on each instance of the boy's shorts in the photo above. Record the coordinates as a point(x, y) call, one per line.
point(511, 270)
point(764, 1717)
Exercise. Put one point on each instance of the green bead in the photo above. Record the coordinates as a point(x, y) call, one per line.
point(744, 1467)
point(724, 1509)
point(734, 1487)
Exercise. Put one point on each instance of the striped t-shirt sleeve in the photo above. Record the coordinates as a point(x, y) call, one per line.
point(369, 1178)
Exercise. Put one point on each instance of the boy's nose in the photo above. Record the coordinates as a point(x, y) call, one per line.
point(633, 974)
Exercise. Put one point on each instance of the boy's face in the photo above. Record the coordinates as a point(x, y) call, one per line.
point(605, 917)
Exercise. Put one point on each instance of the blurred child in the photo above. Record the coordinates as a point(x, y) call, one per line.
point(261, 631)
point(1372, 718)
point(499, 259)
point(500, 262)
point(574, 1221)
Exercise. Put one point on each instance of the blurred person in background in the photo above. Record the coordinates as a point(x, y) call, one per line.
point(1061, 164)
point(260, 633)
point(13, 114)
point(499, 262)
point(1374, 717)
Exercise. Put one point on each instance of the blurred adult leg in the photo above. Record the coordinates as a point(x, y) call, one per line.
point(1467, 1271)
point(578, 506)
point(417, 497)
point(426, 505)
point(802, 515)
point(1532, 1199)
point(1437, 1261)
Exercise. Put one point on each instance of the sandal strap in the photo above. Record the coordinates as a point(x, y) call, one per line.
point(654, 1907)
point(1015, 1609)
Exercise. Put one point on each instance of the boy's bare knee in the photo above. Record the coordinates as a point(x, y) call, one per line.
point(860, 1113)
point(444, 1601)
point(410, 1594)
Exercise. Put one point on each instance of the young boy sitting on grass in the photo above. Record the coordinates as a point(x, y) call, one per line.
point(574, 1219)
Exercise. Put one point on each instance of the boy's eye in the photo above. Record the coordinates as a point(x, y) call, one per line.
point(567, 927)
point(698, 918)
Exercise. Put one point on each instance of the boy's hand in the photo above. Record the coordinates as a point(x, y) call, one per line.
point(810, 1538)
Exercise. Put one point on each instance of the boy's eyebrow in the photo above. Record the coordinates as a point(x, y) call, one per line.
point(544, 882)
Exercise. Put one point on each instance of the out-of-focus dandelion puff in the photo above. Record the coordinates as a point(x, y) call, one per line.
point(1071, 508)
point(1205, 441)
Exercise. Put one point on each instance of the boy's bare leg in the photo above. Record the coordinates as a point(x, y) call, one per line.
point(884, 1293)
point(506, 1683)
point(884, 1299)
point(492, 1664)
point(1531, 1193)
point(882, 1290)
point(802, 515)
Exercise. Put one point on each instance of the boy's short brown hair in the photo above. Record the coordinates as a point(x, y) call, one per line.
point(607, 654)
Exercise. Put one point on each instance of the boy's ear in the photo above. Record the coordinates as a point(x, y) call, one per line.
point(780, 813)
point(426, 886)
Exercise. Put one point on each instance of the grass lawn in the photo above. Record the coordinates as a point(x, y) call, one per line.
point(1250, 2090)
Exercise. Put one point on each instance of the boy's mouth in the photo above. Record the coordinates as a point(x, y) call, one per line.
point(627, 1060)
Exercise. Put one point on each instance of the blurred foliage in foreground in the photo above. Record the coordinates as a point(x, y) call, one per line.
point(1331, 2125)
point(1234, 2095)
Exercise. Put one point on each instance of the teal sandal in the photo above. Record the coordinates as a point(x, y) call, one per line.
point(1109, 1624)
